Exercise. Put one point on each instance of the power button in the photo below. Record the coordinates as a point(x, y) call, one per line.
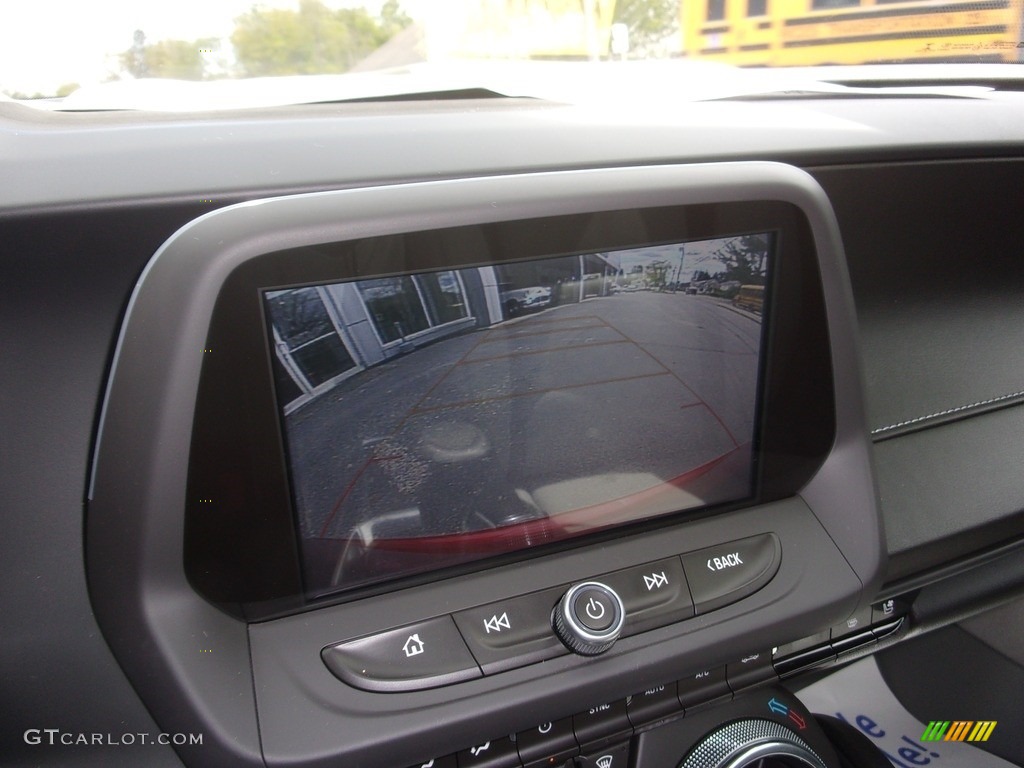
point(594, 609)
point(589, 618)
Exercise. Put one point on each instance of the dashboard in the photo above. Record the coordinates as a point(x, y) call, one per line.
point(443, 297)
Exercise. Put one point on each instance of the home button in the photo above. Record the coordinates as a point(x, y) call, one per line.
point(424, 655)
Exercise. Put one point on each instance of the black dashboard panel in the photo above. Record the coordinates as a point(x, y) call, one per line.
point(953, 248)
point(924, 194)
point(136, 527)
point(938, 288)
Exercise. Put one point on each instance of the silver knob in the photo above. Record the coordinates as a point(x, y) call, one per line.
point(751, 743)
point(588, 618)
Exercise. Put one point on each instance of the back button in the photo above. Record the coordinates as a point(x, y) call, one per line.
point(729, 572)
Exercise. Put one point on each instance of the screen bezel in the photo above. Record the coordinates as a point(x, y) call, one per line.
point(237, 430)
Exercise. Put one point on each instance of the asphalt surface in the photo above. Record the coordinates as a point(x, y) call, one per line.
point(566, 408)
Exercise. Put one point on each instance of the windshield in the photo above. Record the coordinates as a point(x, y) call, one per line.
point(50, 50)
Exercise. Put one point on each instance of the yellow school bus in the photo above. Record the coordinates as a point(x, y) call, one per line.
point(745, 32)
point(814, 32)
point(750, 297)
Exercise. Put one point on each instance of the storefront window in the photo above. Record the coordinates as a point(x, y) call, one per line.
point(307, 340)
point(444, 298)
point(403, 306)
point(395, 306)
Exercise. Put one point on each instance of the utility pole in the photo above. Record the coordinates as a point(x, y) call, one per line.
point(679, 269)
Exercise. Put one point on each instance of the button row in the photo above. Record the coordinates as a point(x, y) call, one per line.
point(859, 631)
point(514, 632)
point(518, 631)
point(603, 731)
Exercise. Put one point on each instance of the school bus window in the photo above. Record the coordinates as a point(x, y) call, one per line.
point(813, 32)
point(821, 5)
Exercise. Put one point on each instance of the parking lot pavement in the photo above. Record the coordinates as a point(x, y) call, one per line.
point(624, 392)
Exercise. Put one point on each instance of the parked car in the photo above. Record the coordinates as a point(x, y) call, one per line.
point(520, 300)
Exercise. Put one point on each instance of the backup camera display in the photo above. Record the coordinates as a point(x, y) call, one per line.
point(441, 417)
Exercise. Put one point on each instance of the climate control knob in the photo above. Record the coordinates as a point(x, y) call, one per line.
point(588, 618)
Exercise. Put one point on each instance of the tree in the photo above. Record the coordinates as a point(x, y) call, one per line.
point(648, 21)
point(393, 19)
point(743, 258)
point(177, 59)
point(312, 40)
point(62, 91)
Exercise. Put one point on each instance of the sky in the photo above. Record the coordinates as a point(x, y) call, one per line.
point(697, 255)
point(47, 43)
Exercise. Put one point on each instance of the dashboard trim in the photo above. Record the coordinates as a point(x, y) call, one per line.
point(154, 621)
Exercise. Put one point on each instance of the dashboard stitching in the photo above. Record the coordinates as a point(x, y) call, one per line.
point(948, 412)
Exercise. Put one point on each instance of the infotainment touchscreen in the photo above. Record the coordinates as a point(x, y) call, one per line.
point(435, 418)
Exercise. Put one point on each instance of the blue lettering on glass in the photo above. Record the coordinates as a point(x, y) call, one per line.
point(869, 726)
point(915, 757)
point(919, 748)
point(909, 757)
